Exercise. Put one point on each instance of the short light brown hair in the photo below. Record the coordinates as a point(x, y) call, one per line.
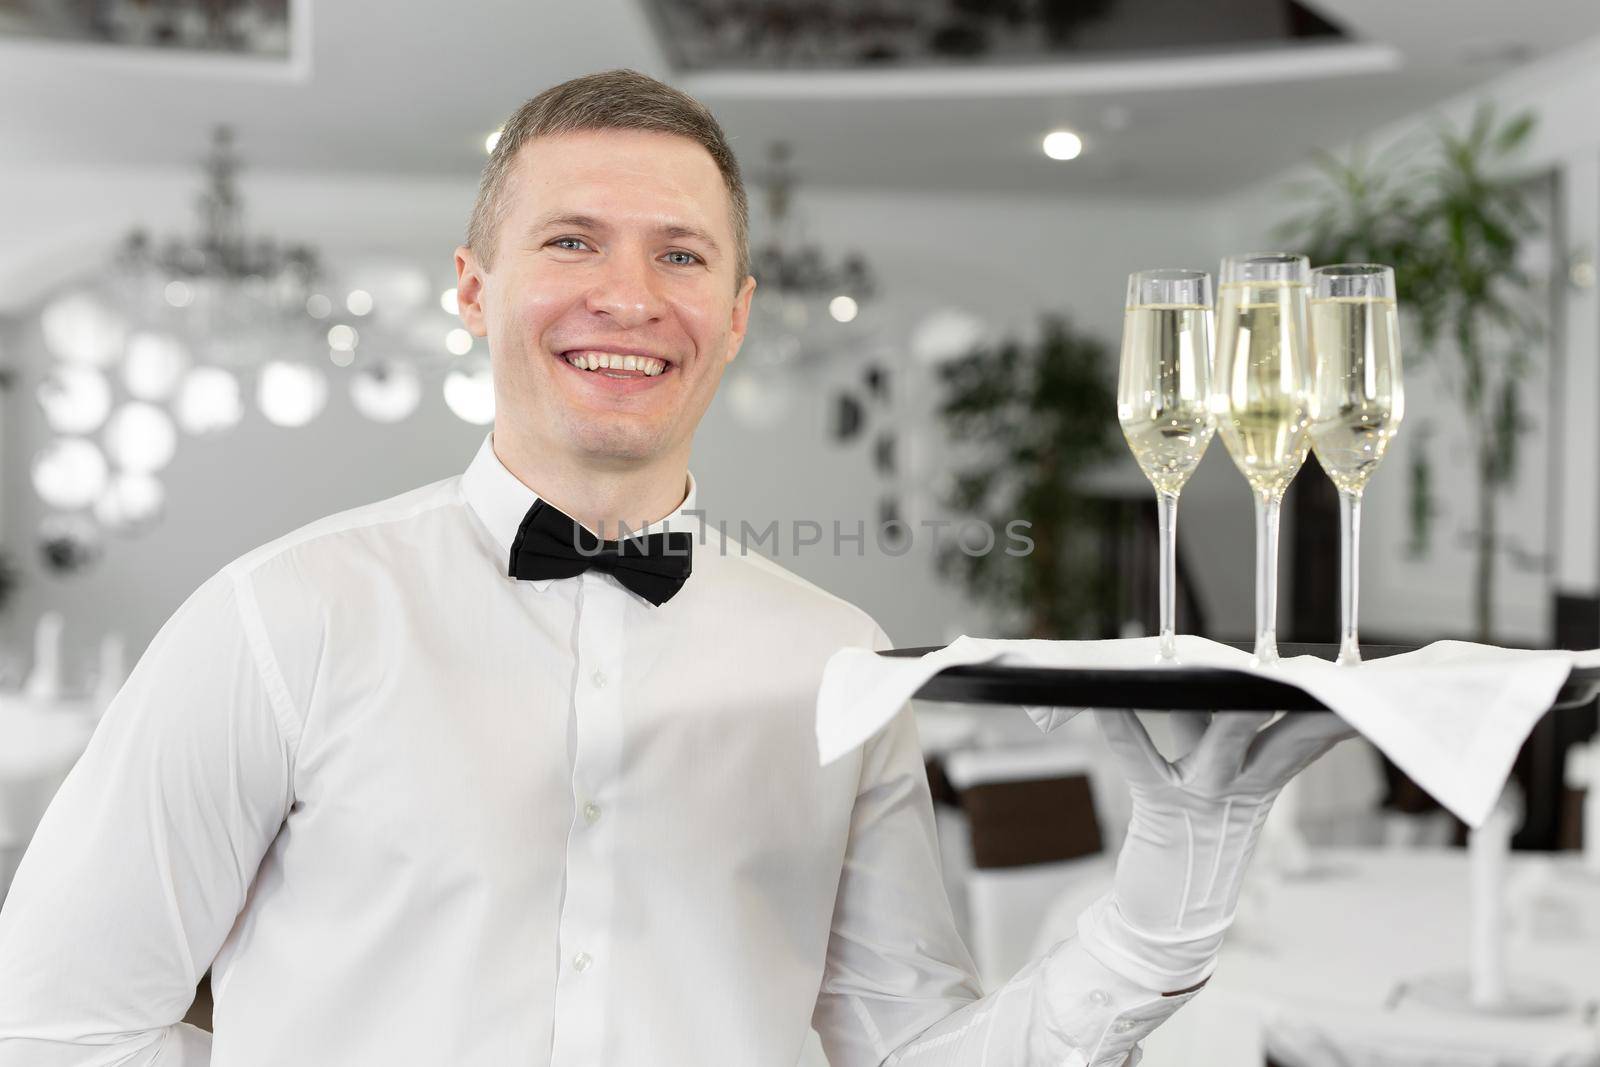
point(609, 100)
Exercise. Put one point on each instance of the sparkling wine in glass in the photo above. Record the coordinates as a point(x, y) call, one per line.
point(1164, 400)
point(1357, 403)
point(1261, 396)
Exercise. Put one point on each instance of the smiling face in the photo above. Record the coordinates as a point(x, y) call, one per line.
point(615, 244)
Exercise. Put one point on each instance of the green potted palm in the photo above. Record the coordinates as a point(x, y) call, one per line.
point(1451, 221)
point(1031, 420)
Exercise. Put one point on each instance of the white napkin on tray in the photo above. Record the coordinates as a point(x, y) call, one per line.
point(1451, 715)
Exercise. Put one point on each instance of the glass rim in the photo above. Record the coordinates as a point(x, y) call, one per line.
point(1353, 270)
point(1170, 274)
point(1267, 257)
point(1266, 268)
point(1169, 286)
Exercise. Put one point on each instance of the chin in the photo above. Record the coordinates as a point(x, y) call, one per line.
point(620, 442)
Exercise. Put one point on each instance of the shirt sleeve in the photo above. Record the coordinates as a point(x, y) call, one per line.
point(899, 987)
point(144, 858)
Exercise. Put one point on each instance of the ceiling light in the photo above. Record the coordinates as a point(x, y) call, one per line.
point(75, 399)
point(493, 139)
point(153, 365)
point(208, 401)
point(179, 294)
point(458, 342)
point(69, 473)
point(470, 394)
point(130, 501)
point(359, 302)
point(140, 437)
point(1063, 144)
point(291, 394)
point(80, 328)
point(843, 308)
point(342, 338)
point(386, 392)
point(447, 300)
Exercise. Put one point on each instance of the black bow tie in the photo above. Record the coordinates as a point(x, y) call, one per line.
point(550, 544)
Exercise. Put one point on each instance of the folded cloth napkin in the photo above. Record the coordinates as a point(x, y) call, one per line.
point(1451, 715)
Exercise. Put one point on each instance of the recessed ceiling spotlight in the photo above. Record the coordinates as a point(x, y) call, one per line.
point(490, 141)
point(1063, 144)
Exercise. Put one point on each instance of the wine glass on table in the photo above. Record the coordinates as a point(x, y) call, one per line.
point(1164, 400)
point(1261, 395)
point(1357, 403)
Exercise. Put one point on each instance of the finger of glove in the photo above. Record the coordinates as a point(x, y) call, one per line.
point(1219, 757)
point(1187, 727)
point(1129, 742)
point(1289, 747)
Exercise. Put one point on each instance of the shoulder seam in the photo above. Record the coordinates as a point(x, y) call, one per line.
point(255, 632)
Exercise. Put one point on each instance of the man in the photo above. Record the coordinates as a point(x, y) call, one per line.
point(444, 781)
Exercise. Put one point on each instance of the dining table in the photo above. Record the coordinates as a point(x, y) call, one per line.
point(1340, 964)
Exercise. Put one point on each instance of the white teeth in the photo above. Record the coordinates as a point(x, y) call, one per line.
point(648, 365)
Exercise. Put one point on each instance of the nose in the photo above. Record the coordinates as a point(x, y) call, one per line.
point(625, 291)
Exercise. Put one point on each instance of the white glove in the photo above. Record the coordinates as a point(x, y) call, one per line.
point(1194, 825)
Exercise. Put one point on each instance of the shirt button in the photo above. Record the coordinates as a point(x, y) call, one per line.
point(581, 961)
point(591, 813)
point(599, 679)
point(1099, 998)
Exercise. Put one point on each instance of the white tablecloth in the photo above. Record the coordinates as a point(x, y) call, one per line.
point(39, 743)
point(1336, 946)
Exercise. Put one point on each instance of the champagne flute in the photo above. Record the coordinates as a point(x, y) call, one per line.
point(1261, 392)
point(1356, 405)
point(1164, 400)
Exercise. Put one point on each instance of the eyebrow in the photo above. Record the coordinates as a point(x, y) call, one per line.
point(589, 222)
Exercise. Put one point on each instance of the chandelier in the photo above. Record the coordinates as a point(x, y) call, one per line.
point(806, 309)
point(175, 335)
point(805, 292)
point(786, 264)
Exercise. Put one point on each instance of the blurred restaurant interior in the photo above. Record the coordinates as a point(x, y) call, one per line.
point(227, 309)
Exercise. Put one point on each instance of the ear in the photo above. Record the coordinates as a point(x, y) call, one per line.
point(471, 279)
point(741, 317)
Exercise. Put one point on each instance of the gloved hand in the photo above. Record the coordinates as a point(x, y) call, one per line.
point(1194, 825)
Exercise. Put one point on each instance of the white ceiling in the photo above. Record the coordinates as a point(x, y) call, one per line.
point(412, 88)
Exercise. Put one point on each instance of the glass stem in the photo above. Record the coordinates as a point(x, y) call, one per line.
point(1350, 575)
point(1267, 506)
point(1167, 509)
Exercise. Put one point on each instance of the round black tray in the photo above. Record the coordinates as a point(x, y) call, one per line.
point(1165, 688)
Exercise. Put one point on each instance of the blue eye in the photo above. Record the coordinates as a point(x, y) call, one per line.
point(574, 240)
point(689, 261)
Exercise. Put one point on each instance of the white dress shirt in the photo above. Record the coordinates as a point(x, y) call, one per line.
point(410, 810)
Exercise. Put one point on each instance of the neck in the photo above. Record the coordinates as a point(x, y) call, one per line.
point(604, 499)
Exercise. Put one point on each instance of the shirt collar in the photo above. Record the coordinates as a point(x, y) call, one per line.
point(500, 501)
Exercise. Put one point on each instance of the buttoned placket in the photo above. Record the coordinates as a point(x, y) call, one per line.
point(586, 911)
